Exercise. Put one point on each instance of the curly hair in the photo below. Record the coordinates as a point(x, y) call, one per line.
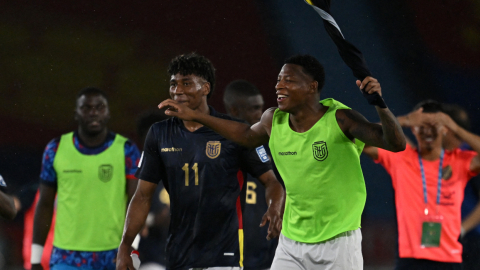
point(193, 64)
point(311, 66)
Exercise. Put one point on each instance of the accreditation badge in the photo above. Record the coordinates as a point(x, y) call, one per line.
point(431, 230)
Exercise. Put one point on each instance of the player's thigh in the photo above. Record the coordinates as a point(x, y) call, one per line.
point(344, 252)
point(288, 255)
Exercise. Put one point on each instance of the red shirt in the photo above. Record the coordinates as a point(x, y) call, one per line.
point(404, 168)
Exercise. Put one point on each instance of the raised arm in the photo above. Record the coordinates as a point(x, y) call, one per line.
point(274, 195)
point(471, 139)
point(240, 133)
point(389, 135)
point(136, 214)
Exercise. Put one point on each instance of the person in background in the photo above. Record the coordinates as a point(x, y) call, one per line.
point(90, 172)
point(429, 181)
point(244, 101)
point(471, 203)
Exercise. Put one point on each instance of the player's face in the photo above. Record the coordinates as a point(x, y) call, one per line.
point(189, 89)
point(92, 113)
point(293, 86)
point(428, 136)
point(250, 109)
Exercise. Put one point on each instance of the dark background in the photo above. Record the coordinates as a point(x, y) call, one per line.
point(49, 50)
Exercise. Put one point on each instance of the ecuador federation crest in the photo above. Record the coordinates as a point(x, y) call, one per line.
point(320, 151)
point(105, 172)
point(213, 149)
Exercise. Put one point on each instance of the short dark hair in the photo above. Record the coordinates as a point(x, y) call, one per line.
point(188, 64)
point(90, 90)
point(429, 106)
point(239, 89)
point(458, 114)
point(311, 66)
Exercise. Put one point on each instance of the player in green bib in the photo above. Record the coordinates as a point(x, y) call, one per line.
point(90, 173)
point(316, 146)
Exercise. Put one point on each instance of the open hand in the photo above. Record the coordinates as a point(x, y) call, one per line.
point(275, 223)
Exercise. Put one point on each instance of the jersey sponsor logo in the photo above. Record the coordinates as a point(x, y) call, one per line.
point(213, 149)
point(72, 171)
point(171, 149)
point(262, 154)
point(288, 153)
point(320, 151)
point(2, 182)
point(105, 172)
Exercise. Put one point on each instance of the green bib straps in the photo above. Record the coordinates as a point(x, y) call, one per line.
point(91, 196)
point(323, 179)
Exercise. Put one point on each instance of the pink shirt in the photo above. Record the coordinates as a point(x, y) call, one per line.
point(404, 169)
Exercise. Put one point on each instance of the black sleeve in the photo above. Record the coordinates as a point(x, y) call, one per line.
point(150, 166)
point(255, 161)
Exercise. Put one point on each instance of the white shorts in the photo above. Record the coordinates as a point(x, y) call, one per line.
point(342, 252)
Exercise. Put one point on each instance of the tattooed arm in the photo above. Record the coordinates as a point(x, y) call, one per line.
point(389, 135)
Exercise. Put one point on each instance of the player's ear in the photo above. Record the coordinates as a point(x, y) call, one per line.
point(313, 87)
point(206, 88)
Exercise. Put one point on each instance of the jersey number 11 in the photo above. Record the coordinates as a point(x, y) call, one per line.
point(186, 170)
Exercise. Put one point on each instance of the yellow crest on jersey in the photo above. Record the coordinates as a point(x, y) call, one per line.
point(213, 149)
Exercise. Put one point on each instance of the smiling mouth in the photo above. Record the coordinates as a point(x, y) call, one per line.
point(281, 98)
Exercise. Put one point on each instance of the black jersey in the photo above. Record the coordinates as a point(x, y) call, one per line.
point(202, 172)
point(259, 251)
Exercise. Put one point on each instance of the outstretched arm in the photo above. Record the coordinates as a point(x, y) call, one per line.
point(240, 133)
point(389, 135)
point(274, 195)
point(136, 215)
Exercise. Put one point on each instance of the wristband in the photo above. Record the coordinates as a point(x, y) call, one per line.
point(37, 252)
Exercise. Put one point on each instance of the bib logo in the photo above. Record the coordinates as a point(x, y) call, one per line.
point(213, 149)
point(105, 172)
point(320, 151)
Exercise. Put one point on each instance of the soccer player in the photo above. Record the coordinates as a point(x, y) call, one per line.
point(244, 101)
point(203, 173)
point(316, 146)
point(470, 233)
point(91, 172)
point(429, 182)
point(7, 206)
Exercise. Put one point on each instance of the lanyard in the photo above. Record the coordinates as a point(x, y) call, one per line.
point(424, 179)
